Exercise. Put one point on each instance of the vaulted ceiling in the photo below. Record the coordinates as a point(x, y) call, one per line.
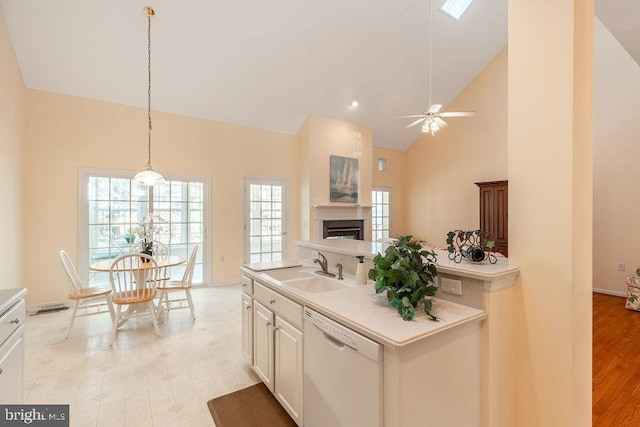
point(270, 64)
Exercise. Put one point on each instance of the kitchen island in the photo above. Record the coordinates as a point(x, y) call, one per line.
point(484, 286)
point(432, 371)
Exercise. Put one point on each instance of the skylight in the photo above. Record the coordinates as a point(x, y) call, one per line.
point(455, 8)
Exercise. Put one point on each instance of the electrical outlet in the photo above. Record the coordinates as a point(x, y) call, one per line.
point(451, 286)
point(314, 254)
point(621, 266)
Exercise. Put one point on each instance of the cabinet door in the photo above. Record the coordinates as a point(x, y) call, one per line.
point(11, 374)
point(494, 206)
point(247, 327)
point(263, 343)
point(289, 368)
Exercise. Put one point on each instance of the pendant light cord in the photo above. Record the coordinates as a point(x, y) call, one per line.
point(149, 88)
point(430, 50)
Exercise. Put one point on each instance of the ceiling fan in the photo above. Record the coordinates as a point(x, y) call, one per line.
point(432, 118)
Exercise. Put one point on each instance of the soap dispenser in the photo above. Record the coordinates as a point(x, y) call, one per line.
point(361, 274)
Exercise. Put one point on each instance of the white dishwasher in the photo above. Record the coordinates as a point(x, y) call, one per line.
point(342, 375)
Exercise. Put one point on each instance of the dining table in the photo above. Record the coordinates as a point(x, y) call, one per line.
point(140, 270)
point(104, 265)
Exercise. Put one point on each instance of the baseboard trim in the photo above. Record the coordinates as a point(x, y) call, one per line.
point(610, 292)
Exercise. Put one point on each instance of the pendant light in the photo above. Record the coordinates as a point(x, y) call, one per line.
point(149, 176)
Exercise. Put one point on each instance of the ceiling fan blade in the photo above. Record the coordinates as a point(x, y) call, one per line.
point(414, 116)
point(457, 114)
point(441, 122)
point(415, 123)
point(434, 108)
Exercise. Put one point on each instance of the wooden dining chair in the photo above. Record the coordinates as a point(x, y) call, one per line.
point(133, 279)
point(160, 252)
point(89, 299)
point(166, 304)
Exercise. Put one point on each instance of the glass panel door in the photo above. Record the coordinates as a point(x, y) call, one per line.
point(265, 220)
point(112, 206)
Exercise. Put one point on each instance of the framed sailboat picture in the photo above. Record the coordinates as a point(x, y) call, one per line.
point(343, 173)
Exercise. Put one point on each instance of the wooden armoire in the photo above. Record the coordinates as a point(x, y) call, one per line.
point(494, 205)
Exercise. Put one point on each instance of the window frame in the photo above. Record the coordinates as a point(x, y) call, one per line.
point(83, 215)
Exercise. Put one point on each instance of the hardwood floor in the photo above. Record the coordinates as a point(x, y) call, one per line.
point(616, 363)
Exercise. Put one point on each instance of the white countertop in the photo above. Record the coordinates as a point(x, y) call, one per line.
point(495, 276)
point(361, 309)
point(8, 297)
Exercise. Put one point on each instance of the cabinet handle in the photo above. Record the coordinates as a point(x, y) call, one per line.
point(244, 285)
point(15, 321)
point(268, 322)
point(248, 307)
point(277, 328)
point(0, 371)
point(272, 301)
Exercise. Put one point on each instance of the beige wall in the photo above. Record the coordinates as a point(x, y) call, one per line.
point(395, 179)
point(617, 163)
point(442, 169)
point(65, 133)
point(318, 140)
point(13, 116)
point(550, 187)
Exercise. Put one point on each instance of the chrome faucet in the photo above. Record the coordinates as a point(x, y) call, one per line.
point(322, 260)
point(339, 271)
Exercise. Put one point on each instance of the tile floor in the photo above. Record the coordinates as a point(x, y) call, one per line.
point(143, 380)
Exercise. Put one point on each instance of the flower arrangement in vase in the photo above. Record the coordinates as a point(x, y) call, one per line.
point(148, 227)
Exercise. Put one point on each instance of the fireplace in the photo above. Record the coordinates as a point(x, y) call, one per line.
point(338, 221)
point(343, 229)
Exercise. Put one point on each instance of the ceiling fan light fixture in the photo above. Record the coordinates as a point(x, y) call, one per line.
point(430, 126)
point(432, 117)
point(455, 8)
point(149, 176)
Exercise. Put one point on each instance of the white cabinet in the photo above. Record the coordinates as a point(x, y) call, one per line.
point(247, 318)
point(276, 349)
point(12, 318)
point(11, 370)
point(263, 344)
point(247, 327)
point(289, 368)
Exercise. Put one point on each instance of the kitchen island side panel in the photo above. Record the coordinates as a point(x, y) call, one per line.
point(435, 381)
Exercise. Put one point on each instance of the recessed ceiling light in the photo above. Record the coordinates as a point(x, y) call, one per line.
point(455, 8)
point(354, 103)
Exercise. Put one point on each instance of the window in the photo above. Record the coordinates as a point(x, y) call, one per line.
point(112, 206)
point(380, 219)
point(265, 220)
point(455, 8)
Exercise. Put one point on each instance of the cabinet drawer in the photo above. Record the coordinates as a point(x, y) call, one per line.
point(281, 305)
point(11, 320)
point(247, 284)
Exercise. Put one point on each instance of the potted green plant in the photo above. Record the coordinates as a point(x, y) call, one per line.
point(406, 271)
